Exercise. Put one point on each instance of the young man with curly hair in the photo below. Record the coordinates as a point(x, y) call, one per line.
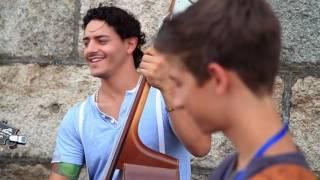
point(112, 49)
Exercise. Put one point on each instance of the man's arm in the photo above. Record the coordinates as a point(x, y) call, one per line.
point(155, 69)
point(197, 142)
point(68, 149)
point(64, 171)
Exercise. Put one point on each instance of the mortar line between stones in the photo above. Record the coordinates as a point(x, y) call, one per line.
point(286, 96)
point(77, 16)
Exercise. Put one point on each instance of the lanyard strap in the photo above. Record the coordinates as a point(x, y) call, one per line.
point(274, 139)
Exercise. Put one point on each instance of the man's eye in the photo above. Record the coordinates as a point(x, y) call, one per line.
point(103, 42)
point(175, 81)
point(178, 84)
point(85, 44)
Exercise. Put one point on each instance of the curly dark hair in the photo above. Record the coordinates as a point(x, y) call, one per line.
point(124, 23)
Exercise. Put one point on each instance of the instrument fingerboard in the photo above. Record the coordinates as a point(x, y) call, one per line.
point(181, 5)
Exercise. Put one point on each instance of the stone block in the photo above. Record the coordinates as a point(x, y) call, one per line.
point(36, 28)
point(305, 118)
point(300, 22)
point(26, 172)
point(220, 148)
point(278, 93)
point(35, 99)
point(37, 171)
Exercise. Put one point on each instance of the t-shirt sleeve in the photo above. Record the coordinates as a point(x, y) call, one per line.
point(68, 147)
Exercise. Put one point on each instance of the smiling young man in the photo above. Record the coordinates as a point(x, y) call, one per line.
point(224, 57)
point(112, 48)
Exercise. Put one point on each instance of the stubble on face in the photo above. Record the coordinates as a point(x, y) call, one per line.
point(105, 54)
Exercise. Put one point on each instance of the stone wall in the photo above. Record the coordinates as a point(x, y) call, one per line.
point(42, 74)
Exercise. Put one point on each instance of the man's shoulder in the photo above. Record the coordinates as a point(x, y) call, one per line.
point(73, 112)
point(77, 106)
point(285, 171)
point(285, 166)
point(225, 168)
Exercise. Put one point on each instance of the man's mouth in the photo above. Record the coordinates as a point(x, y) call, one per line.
point(95, 59)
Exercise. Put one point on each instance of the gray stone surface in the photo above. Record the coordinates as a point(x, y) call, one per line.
point(220, 148)
point(199, 174)
point(36, 28)
point(27, 172)
point(38, 171)
point(300, 20)
point(35, 99)
point(278, 93)
point(305, 118)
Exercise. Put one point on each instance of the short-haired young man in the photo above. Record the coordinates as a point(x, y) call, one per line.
point(224, 57)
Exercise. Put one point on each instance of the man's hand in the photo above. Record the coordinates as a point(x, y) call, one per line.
point(155, 69)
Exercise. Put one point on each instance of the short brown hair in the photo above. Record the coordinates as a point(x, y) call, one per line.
point(241, 35)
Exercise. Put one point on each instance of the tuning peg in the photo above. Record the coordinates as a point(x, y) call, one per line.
point(18, 139)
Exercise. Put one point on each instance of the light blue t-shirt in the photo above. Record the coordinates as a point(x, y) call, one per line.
point(100, 131)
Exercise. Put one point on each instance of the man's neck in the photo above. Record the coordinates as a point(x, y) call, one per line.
point(252, 125)
point(124, 78)
point(117, 86)
point(112, 92)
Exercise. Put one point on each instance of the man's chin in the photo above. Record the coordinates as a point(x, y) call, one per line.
point(97, 75)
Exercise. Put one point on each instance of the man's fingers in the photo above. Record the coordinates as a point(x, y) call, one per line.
point(138, 70)
point(145, 73)
point(148, 59)
point(150, 51)
point(147, 66)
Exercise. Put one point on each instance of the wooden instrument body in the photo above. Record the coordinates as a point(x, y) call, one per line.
point(132, 157)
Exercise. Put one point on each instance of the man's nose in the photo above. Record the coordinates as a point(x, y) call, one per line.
point(177, 102)
point(91, 47)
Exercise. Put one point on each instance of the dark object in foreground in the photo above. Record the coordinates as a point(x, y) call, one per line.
point(9, 136)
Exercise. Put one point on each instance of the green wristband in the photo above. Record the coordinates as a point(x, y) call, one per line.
point(71, 171)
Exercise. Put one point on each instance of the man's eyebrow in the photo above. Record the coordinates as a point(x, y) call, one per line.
point(172, 77)
point(96, 37)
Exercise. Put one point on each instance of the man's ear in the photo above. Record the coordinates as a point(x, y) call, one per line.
point(131, 44)
point(219, 76)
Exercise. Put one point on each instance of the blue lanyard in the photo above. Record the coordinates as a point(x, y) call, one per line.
point(274, 139)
